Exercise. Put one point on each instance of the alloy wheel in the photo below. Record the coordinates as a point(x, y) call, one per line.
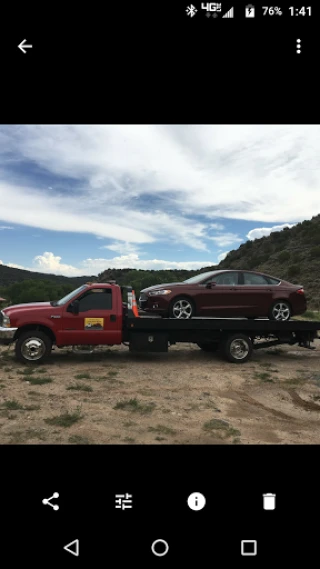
point(281, 311)
point(182, 309)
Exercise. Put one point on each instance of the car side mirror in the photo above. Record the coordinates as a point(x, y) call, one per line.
point(210, 285)
point(74, 307)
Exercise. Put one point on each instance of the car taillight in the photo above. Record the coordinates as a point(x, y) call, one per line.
point(300, 291)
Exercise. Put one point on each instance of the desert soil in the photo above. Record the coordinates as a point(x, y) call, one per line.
point(183, 397)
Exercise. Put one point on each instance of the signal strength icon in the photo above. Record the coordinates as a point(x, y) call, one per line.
point(229, 14)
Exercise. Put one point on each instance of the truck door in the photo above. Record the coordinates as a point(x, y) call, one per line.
point(99, 320)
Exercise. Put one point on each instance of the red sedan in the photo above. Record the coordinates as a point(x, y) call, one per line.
point(226, 294)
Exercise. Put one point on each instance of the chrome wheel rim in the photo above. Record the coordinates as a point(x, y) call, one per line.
point(281, 311)
point(182, 309)
point(239, 348)
point(33, 349)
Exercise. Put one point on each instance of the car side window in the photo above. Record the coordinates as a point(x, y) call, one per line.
point(96, 300)
point(251, 279)
point(225, 279)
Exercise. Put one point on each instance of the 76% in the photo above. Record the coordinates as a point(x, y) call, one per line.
point(273, 11)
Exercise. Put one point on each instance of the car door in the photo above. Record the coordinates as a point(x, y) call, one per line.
point(220, 300)
point(98, 321)
point(255, 294)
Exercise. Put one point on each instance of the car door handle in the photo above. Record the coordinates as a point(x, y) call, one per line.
point(113, 318)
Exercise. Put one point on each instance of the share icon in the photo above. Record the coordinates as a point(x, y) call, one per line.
point(47, 501)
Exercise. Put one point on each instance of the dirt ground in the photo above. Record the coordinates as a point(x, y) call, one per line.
point(183, 397)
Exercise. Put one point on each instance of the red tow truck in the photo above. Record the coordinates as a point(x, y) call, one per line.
point(98, 314)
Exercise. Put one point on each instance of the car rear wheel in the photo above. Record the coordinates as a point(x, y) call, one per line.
point(237, 348)
point(280, 310)
point(209, 347)
point(182, 307)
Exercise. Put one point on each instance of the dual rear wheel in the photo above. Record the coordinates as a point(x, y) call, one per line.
point(236, 348)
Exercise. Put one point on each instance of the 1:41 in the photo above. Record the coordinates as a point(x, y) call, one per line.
point(304, 11)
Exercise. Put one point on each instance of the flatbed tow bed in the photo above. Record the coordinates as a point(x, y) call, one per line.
point(235, 338)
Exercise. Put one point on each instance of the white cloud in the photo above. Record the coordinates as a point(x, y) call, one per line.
point(121, 247)
point(133, 261)
point(217, 226)
point(265, 231)
point(226, 239)
point(14, 266)
point(51, 264)
point(252, 172)
point(2, 227)
point(30, 207)
point(222, 256)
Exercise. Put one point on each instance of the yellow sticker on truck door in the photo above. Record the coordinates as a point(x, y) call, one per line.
point(93, 323)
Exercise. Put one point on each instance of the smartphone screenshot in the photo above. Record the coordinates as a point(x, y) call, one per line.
point(159, 284)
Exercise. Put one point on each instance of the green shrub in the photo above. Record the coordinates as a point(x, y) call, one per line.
point(293, 270)
point(284, 256)
point(315, 252)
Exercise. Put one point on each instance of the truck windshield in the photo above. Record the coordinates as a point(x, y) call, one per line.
point(69, 296)
point(201, 277)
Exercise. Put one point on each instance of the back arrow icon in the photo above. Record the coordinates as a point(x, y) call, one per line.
point(23, 45)
point(73, 547)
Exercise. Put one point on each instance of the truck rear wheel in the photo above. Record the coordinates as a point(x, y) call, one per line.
point(237, 348)
point(209, 346)
point(33, 346)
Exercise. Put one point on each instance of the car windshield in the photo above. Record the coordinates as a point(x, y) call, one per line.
point(201, 277)
point(69, 296)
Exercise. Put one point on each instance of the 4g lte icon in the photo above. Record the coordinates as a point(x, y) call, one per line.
point(211, 7)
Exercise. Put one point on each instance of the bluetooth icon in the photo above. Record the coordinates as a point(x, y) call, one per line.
point(191, 10)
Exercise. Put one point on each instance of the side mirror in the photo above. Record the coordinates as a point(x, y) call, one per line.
point(211, 284)
point(74, 307)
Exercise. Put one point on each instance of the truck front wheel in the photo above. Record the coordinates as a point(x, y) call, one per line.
point(33, 346)
point(237, 348)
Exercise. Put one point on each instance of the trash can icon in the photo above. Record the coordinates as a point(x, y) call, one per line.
point(269, 501)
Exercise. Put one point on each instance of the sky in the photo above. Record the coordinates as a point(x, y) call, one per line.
point(78, 199)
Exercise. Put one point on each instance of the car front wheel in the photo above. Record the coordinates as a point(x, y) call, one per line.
point(280, 310)
point(182, 307)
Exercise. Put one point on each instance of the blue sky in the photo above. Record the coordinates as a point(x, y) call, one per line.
point(78, 199)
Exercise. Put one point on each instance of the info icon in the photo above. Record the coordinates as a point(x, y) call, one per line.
point(196, 501)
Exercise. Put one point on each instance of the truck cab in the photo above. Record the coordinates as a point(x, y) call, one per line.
point(90, 315)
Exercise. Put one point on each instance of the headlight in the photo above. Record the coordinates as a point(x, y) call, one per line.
point(5, 321)
point(158, 292)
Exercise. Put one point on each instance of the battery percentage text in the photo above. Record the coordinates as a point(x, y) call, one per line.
point(272, 11)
